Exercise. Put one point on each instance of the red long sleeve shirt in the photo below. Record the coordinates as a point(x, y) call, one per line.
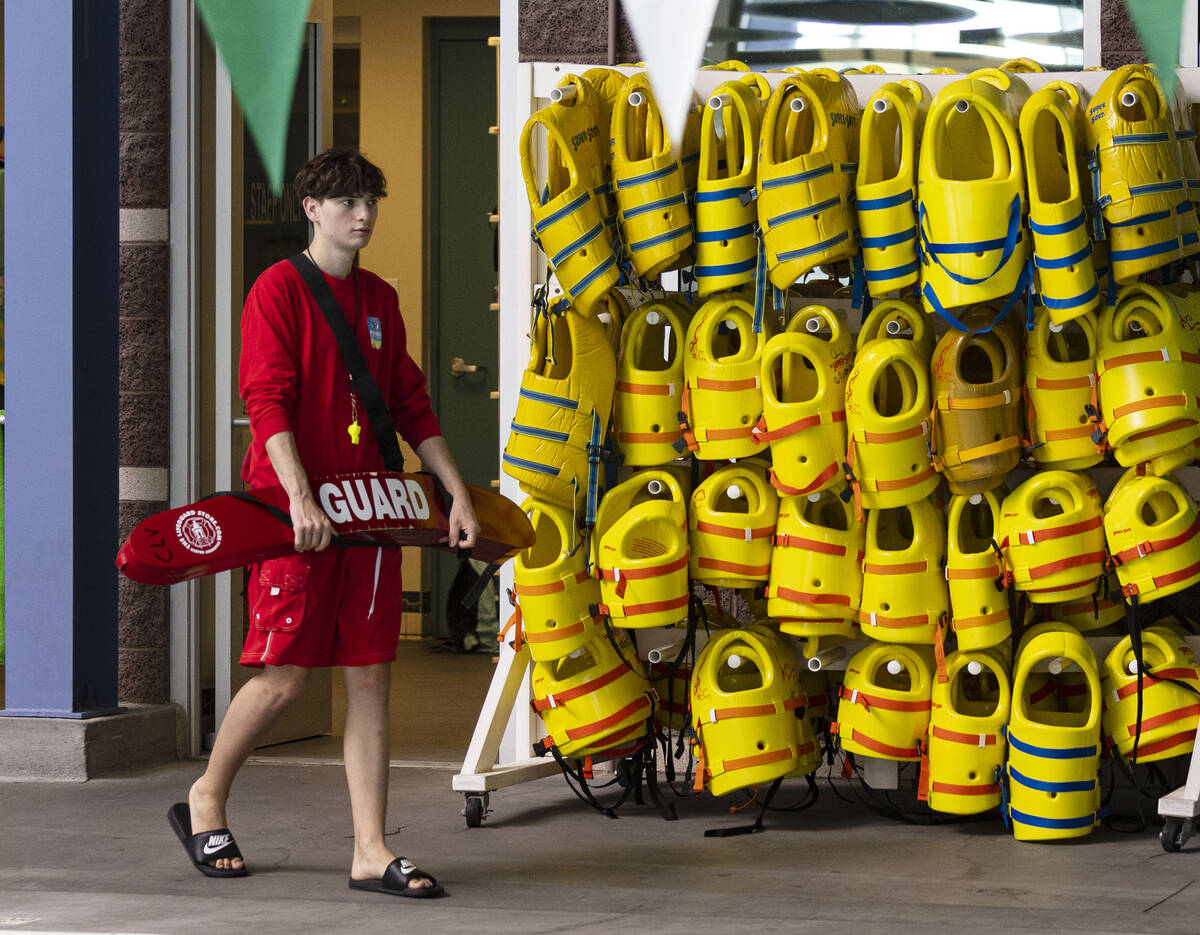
point(293, 379)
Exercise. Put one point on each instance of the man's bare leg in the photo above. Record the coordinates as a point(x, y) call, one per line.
point(366, 754)
point(252, 711)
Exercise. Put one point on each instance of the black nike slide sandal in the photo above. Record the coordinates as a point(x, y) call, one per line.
point(399, 873)
point(206, 846)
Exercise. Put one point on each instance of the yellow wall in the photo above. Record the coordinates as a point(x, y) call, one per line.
point(393, 118)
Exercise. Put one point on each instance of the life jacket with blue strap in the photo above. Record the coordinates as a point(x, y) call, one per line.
point(554, 446)
point(1062, 248)
point(1137, 180)
point(650, 184)
point(726, 248)
point(971, 201)
point(571, 209)
point(807, 162)
point(886, 185)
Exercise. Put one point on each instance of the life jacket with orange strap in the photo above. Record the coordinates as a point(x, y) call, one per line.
point(816, 566)
point(887, 458)
point(1104, 607)
point(904, 597)
point(722, 398)
point(804, 416)
point(885, 702)
point(976, 390)
point(1170, 696)
point(1153, 533)
point(553, 586)
point(1148, 375)
point(1052, 534)
point(1060, 392)
point(640, 551)
point(730, 527)
point(593, 699)
point(744, 697)
point(979, 610)
point(898, 319)
point(649, 385)
point(966, 745)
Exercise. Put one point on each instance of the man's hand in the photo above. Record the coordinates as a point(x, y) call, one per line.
point(464, 527)
point(313, 528)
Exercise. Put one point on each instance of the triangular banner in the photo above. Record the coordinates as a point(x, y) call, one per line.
point(260, 42)
point(671, 35)
point(1159, 25)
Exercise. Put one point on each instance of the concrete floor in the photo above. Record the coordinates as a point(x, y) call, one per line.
point(99, 857)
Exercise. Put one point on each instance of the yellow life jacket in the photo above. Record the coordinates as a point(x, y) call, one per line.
point(1189, 158)
point(1137, 178)
point(592, 699)
point(730, 527)
point(1148, 375)
point(888, 456)
point(1021, 65)
point(972, 193)
point(976, 437)
point(569, 213)
point(815, 586)
point(1169, 711)
point(1060, 387)
point(553, 448)
point(611, 311)
point(649, 386)
point(649, 182)
point(804, 415)
point(1153, 533)
point(807, 161)
point(1054, 754)
point(904, 588)
point(898, 319)
point(744, 698)
point(722, 399)
point(885, 701)
point(975, 572)
point(1051, 532)
point(966, 745)
point(886, 185)
point(726, 248)
point(641, 551)
point(554, 586)
point(1052, 137)
point(1104, 607)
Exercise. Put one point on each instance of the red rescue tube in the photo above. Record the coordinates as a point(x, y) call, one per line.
point(376, 507)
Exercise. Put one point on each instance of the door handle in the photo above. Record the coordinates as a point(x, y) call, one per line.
point(458, 367)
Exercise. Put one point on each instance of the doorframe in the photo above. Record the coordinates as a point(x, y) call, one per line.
point(437, 29)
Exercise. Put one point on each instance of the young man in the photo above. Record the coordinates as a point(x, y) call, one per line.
point(323, 606)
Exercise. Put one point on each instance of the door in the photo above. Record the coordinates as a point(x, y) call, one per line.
point(462, 239)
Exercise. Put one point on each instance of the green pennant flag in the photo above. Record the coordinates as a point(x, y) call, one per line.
point(1159, 25)
point(260, 42)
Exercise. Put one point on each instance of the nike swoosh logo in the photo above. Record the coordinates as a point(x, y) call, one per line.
point(215, 843)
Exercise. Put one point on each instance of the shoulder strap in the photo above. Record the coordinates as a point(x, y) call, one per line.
point(360, 377)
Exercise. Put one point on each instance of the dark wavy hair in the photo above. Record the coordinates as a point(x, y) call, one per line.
point(337, 173)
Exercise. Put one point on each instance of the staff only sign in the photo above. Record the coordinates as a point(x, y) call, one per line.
point(386, 508)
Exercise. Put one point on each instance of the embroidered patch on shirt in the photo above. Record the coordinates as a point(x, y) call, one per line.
point(375, 329)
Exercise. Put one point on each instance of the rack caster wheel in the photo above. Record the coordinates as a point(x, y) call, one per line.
point(475, 810)
point(1175, 833)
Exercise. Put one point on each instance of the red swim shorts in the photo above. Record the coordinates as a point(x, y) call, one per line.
point(336, 607)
